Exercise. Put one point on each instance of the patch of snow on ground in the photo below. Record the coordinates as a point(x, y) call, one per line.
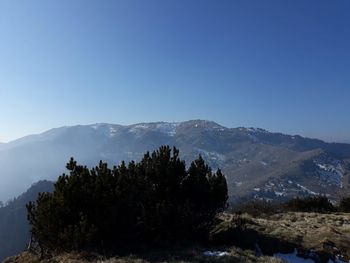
point(112, 131)
point(256, 130)
point(293, 258)
point(238, 183)
point(215, 253)
point(331, 172)
point(105, 129)
point(322, 166)
point(215, 156)
point(141, 126)
point(337, 260)
point(138, 128)
point(263, 163)
point(164, 127)
point(306, 189)
point(279, 193)
point(95, 126)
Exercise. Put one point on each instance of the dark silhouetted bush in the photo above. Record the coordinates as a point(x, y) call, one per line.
point(319, 204)
point(156, 201)
point(344, 205)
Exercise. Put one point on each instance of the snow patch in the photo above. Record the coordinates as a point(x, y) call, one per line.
point(293, 258)
point(256, 130)
point(238, 183)
point(164, 127)
point(95, 126)
point(303, 188)
point(108, 130)
point(215, 253)
point(330, 171)
point(337, 260)
point(167, 128)
point(112, 131)
point(270, 184)
point(214, 156)
point(279, 193)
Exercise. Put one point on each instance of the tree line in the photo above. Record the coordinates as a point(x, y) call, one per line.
point(315, 204)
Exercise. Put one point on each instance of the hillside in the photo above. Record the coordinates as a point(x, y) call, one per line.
point(14, 227)
point(320, 238)
point(317, 236)
point(257, 163)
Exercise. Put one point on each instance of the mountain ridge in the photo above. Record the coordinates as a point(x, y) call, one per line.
point(252, 158)
point(251, 129)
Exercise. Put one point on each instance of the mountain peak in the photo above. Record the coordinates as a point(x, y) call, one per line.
point(203, 124)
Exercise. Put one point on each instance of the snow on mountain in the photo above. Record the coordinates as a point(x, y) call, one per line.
point(163, 127)
point(105, 129)
point(249, 157)
point(167, 128)
point(330, 171)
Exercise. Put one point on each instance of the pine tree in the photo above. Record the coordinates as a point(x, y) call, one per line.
point(152, 202)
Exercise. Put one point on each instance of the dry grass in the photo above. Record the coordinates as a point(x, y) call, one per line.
point(191, 256)
point(321, 232)
point(327, 234)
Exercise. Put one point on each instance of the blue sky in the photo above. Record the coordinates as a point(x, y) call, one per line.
point(280, 65)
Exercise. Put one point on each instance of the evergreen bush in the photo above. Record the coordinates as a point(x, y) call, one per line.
point(153, 202)
point(319, 204)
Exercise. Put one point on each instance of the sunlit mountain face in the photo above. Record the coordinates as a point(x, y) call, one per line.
point(257, 163)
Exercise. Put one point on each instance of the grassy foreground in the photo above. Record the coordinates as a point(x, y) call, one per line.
point(180, 256)
point(326, 235)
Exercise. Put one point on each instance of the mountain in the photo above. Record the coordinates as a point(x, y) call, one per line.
point(257, 163)
point(14, 227)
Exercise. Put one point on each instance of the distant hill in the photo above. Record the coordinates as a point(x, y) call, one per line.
point(14, 228)
point(257, 163)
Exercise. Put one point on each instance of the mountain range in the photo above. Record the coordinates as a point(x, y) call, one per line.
point(257, 163)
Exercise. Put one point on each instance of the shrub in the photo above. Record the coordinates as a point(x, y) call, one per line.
point(344, 205)
point(258, 208)
point(319, 204)
point(152, 202)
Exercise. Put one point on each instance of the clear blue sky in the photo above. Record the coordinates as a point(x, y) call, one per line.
point(280, 65)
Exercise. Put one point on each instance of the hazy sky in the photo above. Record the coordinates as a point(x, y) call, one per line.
point(280, 65)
